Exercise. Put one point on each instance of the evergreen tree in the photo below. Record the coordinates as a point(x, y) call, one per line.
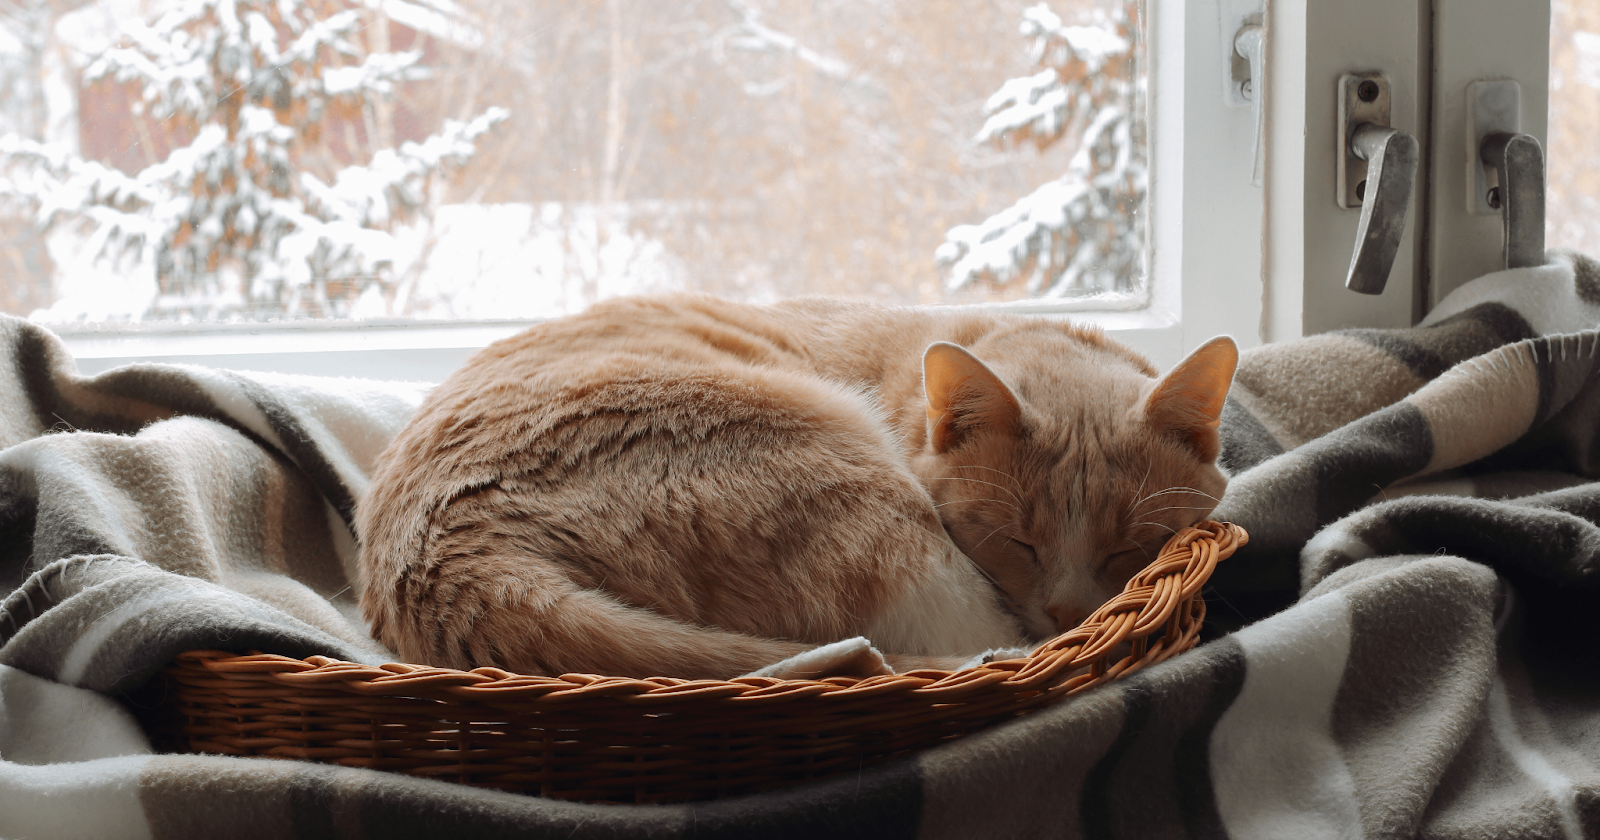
point(1083, 233)
point(252, 217)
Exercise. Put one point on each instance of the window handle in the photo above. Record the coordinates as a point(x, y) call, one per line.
point(1518, 165)
point(1249, 45)
point(1377, 165)
point(1391, 156)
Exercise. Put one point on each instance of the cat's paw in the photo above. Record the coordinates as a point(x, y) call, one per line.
point(847, 658)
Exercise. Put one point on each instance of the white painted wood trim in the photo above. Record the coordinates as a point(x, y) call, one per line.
point(1205, 214)
point(1309, 238)
point(1478, 39)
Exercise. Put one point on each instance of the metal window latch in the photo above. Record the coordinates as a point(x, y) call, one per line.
point(1507, 170)
point(1518, 163)
point(1377, 166)
point(1249, 45)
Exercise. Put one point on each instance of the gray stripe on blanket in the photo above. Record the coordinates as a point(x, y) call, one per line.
point(110, 623)
point(168, 386)
point(996, 784)
point(1424, 361)
point(65, 401)
point(1491, 794)
point(1567, 366)
point(1504, 325)
point(215, 796)
point(210, 796)
point(1245, 441)
point(1527, 539)
point(1430, 351)
point(1413, 685)
point(1585, 277)
point(1162, 715)
point(1356, 462)
point(18, 510)
point(37, 358)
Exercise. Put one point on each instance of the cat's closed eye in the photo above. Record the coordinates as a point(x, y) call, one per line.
point(1020, 549)
point(1122, 565)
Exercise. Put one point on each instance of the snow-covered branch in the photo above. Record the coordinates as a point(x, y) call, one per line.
point(1084, 232)
point(1084, 66)
point(233, 224)
point(758, 36)
point(392, 184)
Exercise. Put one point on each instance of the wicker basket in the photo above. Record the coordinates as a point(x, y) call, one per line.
point(616, 739)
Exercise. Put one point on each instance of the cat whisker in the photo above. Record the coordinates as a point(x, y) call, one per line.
point(984, 572)
point(978, 481)
point(1135, 509)
point(1213, 592)
point(1129, 514)
point(1178, 507)
point(1193, 490)
point(1158, 525)
point(1175, 490)
point(990, 534)
point(963, 501)
point(1002, 473)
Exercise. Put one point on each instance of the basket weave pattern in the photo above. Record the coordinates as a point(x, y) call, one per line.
point(616, 739)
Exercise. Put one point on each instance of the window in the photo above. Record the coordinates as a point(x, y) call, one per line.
point(886, 82)
point(750, 149)
point(1572, 214)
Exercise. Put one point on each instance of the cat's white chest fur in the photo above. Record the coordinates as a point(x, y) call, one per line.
point(951, 608)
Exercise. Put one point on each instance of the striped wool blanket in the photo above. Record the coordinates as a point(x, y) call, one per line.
point(1402, 650)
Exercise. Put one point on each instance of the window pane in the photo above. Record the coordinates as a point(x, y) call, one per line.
point(1572, 161)
point(472, 159)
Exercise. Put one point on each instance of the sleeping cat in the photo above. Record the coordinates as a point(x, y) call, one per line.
point(691, 487)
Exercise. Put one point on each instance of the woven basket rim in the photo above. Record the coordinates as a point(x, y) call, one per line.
point(1058, 665)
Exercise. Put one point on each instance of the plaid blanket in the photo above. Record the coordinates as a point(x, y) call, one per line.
point(1401, 650)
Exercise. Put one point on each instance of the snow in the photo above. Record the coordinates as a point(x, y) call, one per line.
point(1093, 45)
point(478, 261)
point(759, 37)
point(377, 74)
point(1079, 234)
point(1587, 69)
point(92, 287)
point(1038, 102)
point(439, 18)
point(231, 225)
point(528, 261)
point(1004, 241)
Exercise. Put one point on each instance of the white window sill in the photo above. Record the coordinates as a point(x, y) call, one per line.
point(417, 352)
point(422, 352)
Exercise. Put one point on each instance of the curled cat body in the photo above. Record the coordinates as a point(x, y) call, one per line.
point(692, 487)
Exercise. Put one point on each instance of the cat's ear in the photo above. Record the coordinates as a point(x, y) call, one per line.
point(1187, 403)
point(964, 397)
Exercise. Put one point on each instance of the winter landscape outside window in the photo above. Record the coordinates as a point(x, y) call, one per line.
point(1572, 209)
point(180, 161)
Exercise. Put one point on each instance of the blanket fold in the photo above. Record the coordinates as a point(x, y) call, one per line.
point(1400, 649)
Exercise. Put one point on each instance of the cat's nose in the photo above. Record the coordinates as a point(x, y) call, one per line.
point(1065, 617)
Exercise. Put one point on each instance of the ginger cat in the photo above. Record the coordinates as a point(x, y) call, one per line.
point(691, 487)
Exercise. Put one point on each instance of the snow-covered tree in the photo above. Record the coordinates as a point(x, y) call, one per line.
point(253, 216)
point(1084, 232)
